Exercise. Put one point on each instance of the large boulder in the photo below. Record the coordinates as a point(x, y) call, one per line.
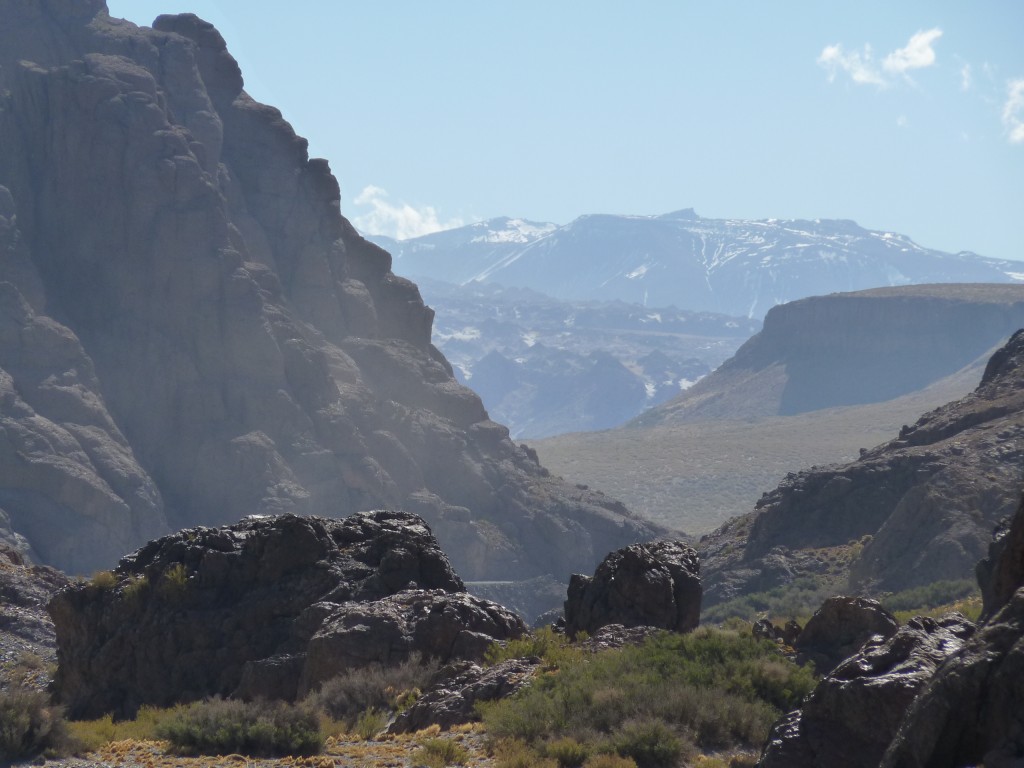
point(452, 698)
point(214, 611)
point(431, 623)
point(840, 627)
point(851, 716)
point(655, 585)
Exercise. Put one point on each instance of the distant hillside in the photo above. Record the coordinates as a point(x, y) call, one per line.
point(731, 266)
point(787, 399)
point(851, 348)
point(543, 366)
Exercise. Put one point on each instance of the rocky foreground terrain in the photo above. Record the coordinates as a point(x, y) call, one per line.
point(191, 332)
point(915, 510)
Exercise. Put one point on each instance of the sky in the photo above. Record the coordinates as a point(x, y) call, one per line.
point(903, 116)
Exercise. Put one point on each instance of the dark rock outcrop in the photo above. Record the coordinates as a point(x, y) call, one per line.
point(850, 718)
point(431, 623)
point(1001, 573)
point(912, 511)
point(26, 631)
point(250, 608)
point(840, 627)
point(191, 332)
point(655, 585)
point(452, 698)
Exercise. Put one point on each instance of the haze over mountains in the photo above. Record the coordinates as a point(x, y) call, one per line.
point(190, 332)
point(730, 266)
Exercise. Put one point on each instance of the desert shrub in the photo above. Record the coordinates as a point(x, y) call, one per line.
point(369, 723)
point(569, 752)
point(221, 727)
point(650, 743)
point(377, 686)
point(174, 582)
point(609, 760)
point(552, 647)
point(103, 580)
point(437, 753)
point(929, 596)
point(29, 726)
point(92, 734)
point(714, 688)
point(513, 753)
point(800, 598)
point(135, 589)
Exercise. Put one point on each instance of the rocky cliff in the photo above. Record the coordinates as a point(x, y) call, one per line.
point(192, 332)
point(915, 510)
point(851, 348)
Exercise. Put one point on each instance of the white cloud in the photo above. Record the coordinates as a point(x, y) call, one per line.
point(401, 221)
point(864, 70)
point(966, 77)
point(859, 66)
point(1013, 111)
point(916, 54)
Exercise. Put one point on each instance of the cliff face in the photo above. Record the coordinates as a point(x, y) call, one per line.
point(918, 509)
point(191, 332)
point(852, 348)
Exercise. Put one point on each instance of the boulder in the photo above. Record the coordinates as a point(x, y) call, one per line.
point(452, 698)
point(1002, 571)
point(655, 585)
point(840, 627)
point(431, 623)
point(208, 611)
point(850, 718)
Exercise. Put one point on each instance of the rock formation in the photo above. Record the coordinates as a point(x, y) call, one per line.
point(840, 627)
point(191, 332)
point(26, 631)
point(852, 715)
point(656, 585)
point(912, 511)
point(267, 607)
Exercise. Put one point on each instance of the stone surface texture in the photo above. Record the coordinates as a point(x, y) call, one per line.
point(191, 332)
point(840, 627)
point(655, 585)
point(264, 608)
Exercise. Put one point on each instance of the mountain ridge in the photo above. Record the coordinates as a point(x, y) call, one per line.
point(732, 266)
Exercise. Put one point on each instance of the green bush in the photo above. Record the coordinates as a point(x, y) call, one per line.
point(715, 688)
point(30, 726)
point(921, 599)
point(552, 647)
point(801, 598)
point(568, 752)
point(369, 723)
point(437, 753)
point(221, 727)
point(650, 743)
point(379, 687)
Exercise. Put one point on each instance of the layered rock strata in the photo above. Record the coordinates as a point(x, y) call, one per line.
point(192, 332)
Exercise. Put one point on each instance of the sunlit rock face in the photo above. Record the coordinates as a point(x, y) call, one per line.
point(192, 332)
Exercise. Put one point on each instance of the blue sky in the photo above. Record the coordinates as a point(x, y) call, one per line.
point(903, 116)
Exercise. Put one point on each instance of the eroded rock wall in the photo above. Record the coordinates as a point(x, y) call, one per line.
point(228, 344)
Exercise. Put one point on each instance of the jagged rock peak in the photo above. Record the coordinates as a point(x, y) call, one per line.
point(229, 345)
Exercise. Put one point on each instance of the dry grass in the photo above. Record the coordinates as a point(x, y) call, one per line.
point(693, 477)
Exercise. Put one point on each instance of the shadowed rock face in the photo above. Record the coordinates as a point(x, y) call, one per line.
point(922, 505)
point(270, 607)
point(191, 332)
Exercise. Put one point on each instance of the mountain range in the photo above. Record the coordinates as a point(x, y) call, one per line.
point(729, 266)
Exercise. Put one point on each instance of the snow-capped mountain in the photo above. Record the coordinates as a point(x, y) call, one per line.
point(732, 266)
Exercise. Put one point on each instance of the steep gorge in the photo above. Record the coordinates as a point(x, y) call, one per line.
point(191, 332)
